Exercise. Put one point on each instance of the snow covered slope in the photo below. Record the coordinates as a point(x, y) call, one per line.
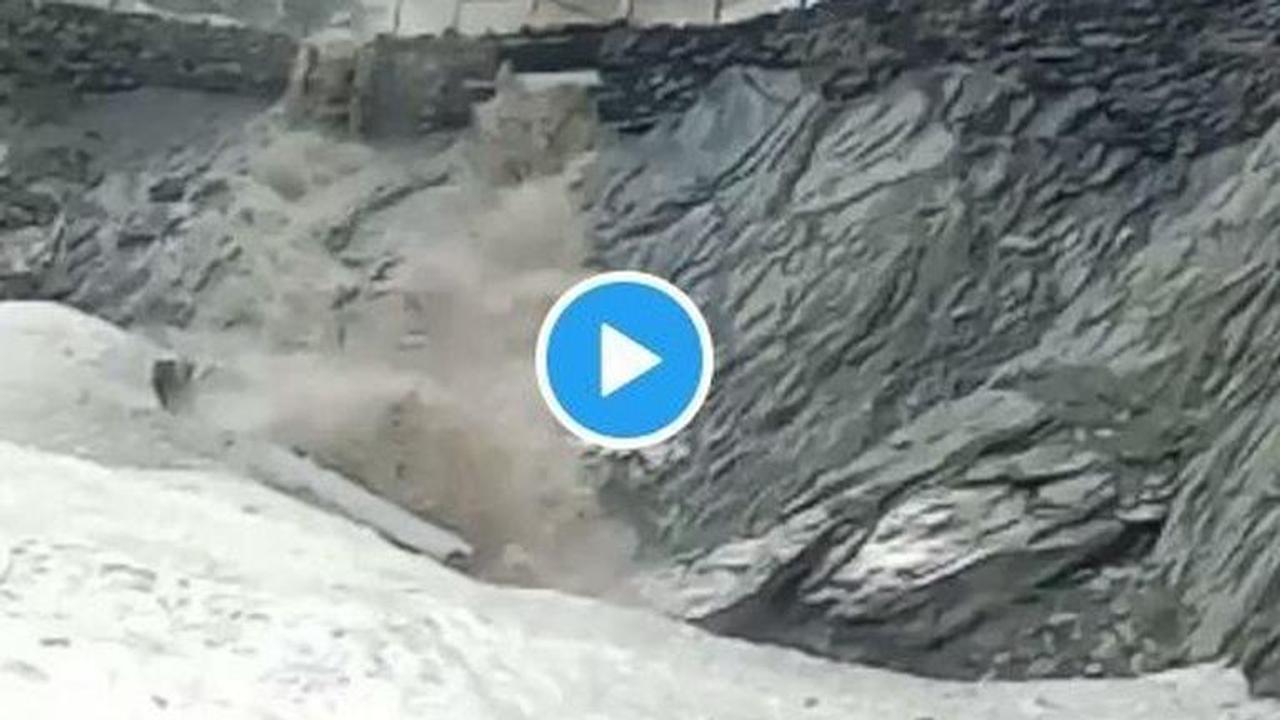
point(73, 384)
point(130, 592)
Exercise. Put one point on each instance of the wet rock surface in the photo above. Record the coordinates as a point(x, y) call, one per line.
point(992, 286)
point(994, 313)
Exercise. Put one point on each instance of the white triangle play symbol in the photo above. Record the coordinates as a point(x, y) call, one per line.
point(622, 360)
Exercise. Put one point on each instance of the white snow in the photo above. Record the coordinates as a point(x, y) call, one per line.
point(193, 592)
point(73, 384)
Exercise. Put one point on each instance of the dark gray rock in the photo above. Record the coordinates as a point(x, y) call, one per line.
point(145, 227)
point(94, 50)
point(993, 328)
point(171, 379)
point(168, 189)
point(994, 295)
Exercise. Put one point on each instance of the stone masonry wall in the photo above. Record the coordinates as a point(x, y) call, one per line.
point(95, 50)
point(415, 85)
point(1225, 57)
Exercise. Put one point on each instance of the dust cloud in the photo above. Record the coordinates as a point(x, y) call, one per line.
point(424, 390)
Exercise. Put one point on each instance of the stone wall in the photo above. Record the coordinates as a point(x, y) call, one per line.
point(847, 47)
point(94, 50)
point(406, 86)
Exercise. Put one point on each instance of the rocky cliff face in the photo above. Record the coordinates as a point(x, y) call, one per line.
point(993, 294)
point(141, 577)
point(992, 287)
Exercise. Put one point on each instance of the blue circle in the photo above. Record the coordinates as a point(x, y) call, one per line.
point(647, 312)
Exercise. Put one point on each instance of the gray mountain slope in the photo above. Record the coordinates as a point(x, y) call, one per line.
point(991, 394)
point(991, 284)
point(141, 586)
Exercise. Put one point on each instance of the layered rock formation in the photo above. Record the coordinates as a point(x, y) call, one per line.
point(992, 294)
point(140, 580)
point(991, 286)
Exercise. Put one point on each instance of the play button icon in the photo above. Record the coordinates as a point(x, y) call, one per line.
point(624, 360)
point(621, 360)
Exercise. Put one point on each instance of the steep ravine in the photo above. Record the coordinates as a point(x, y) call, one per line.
point(992, 290)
